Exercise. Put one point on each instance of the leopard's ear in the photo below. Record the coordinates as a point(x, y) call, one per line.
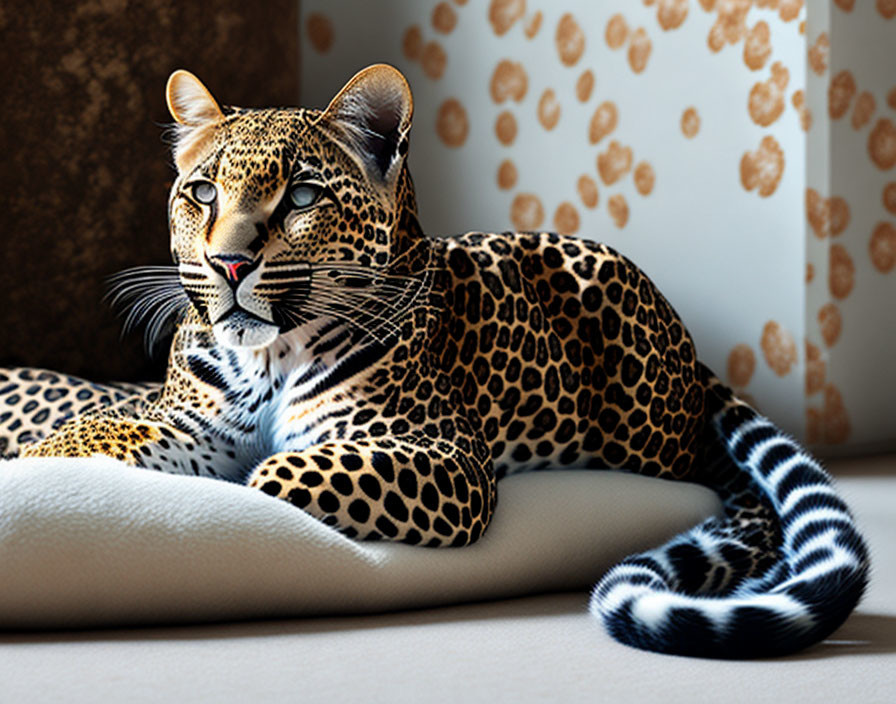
point(190, 102)
point(371, 116)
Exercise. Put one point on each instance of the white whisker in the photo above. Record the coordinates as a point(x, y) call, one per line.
point(151, 296)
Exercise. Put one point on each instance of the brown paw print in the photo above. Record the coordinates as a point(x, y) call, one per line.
point(818, 54)
point(730, 25)
point(509, 81)
point(584, 85)
point(889, 197)
point(789, 9)
point(757, 46)
point(690, 123)
point(503, 14)
point(644, 178)
point(639, 47)
point(671, 13)
point(817, 213)
point(826, 215)
point(587, 189)
point(845, 5)
point(533, 24)
point(604, 121)
point(444, 18)
point(799, 102)
point(863, 110)
point(526, 211)
point(412, 43)
point(831, 323)
point(741, 365)
point(548, 109)
point(766, 102)
point(507, 175)
point(815, 369)
point(618, 209)
point(763, 168)
point(616, 32)
point(882, 144)
point(433, 60)
point(882, 247)
point(840, 94)
point(566, 219)
point(505, 128)
point(614, 163)
point(838, 209)
point(452, 125)
point(778, 348)
point(887, 8)
point(810, 272)
point(569, 40)
point(842, 272)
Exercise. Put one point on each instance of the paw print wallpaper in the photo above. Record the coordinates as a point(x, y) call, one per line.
point(742, 152)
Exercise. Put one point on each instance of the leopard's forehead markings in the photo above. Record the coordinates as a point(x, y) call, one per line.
point(257, 150)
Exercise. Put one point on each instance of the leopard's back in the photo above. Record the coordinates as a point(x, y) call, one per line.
point(566, 355)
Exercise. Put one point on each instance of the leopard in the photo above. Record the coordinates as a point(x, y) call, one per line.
point(327, 352)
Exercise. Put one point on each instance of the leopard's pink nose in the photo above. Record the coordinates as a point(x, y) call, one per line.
point(233, 267)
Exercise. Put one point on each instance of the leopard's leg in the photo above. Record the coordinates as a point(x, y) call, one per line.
point(410, 488)
point(34, 402)
point(140, 442)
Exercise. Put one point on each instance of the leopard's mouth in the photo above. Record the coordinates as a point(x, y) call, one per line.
point(240, 329)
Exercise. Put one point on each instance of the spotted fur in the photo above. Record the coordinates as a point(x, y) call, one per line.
point(328, 353)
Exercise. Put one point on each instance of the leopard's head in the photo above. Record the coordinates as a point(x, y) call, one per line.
point(280, 216)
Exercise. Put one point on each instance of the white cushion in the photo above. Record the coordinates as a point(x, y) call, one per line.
point(92, 542)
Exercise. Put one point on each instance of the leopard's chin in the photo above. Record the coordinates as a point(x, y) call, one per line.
point(241, 331)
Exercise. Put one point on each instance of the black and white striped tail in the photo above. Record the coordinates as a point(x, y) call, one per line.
point(751, 584)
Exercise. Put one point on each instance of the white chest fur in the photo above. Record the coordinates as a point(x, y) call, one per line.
point(272, 399)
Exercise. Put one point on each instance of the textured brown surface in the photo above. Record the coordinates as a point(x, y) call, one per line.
point(84, 176)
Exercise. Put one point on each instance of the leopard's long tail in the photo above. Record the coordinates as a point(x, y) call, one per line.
point(780, 571)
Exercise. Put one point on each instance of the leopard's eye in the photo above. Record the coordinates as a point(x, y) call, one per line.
point(303, 195)
point(204, 192)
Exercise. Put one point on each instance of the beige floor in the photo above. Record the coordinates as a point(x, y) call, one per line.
point(541, 648)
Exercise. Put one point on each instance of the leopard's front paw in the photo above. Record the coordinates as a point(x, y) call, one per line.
point(94, 435)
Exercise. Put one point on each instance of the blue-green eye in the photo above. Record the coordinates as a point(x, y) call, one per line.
point(204, 192)
point(303, 195)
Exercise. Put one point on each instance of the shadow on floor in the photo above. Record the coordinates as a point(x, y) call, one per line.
point(862, 634)
point(546, 605)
